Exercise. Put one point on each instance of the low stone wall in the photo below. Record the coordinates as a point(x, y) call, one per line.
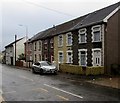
point(19, 63)
point(76, 69)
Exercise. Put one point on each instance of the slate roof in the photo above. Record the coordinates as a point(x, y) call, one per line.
point(96, 16)
point(11, 44)
point(80, 22)
point(56, 29)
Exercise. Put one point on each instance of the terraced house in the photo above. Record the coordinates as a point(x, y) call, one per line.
point(90, 40)
point(96, 39)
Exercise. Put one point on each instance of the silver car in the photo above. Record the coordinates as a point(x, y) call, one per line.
point(44, 67)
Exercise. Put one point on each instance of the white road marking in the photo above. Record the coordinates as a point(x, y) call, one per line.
point(36, 89)
point(9, 92)
point(24, 77)
point(63, 91)
point(62, 97)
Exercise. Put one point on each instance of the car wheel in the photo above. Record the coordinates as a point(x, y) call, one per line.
point(55, 73)
point(41, 71)
point(33, 71)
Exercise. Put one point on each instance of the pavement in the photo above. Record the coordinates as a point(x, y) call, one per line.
point(111, 81)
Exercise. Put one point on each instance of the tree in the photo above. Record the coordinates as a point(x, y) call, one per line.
point(21, 57)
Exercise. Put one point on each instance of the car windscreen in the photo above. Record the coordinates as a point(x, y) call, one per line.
point(45, 64)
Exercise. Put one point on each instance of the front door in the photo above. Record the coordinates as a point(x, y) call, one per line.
point(97, 58)
point(11, 60)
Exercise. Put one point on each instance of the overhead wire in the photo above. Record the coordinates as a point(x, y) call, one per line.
point(38, 5)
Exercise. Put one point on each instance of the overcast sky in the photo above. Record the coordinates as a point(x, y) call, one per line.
point(39, 15)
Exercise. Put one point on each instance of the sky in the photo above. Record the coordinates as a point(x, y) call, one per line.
point(38, 15)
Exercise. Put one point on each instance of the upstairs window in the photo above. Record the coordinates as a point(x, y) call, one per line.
point(35, 58)
point(45, 42)
point(40, 45)
point(60, 40)
point(45, 45)
point(35, 46)
point(69, 39)
point(82, 35)
point(51, 43)
point(96, 33)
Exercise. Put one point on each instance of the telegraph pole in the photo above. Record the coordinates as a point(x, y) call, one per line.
point(15, 48)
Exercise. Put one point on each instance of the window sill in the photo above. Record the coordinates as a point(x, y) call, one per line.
point(69, 45)
point(82, 42)
point(60, 46)
point(96, 41)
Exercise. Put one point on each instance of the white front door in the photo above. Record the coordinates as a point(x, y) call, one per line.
point(69, 57)
point(97, 58)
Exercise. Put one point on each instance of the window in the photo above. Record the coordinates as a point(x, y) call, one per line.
point(96, 33)
point(69, 56)
point(45, 47)
point(60, 57)
point(60, 40)
point(82, 36)
point(52, 58)
point(45, 42)
point(51, 40)
point(35, 58)
point(45, 57)
point(96, 53)
point(39, 57)
point(35, 46)
point(83, 57)
point(40, 45)
point(51, 43)
point(69, 39)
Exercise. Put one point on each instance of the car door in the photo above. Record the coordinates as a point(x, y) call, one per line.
point(37, 67)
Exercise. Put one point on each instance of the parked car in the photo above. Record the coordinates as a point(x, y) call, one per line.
point(44, 67)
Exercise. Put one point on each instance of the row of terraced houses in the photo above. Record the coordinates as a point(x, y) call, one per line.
point(90, 40)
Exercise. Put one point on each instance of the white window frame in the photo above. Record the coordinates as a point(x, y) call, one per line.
point(58, 56)
point(59, 42)
point(79, 55)
point(67, 39)
point(94, 30)
point(67, 60)
point(94, 56)
point(45, 41)
point(82, 31)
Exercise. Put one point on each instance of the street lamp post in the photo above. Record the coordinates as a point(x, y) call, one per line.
point(26, 49)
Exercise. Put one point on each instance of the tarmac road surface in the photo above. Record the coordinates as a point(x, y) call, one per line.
point(22, 85)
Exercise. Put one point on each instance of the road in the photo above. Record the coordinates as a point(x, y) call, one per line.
point(22, 85)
